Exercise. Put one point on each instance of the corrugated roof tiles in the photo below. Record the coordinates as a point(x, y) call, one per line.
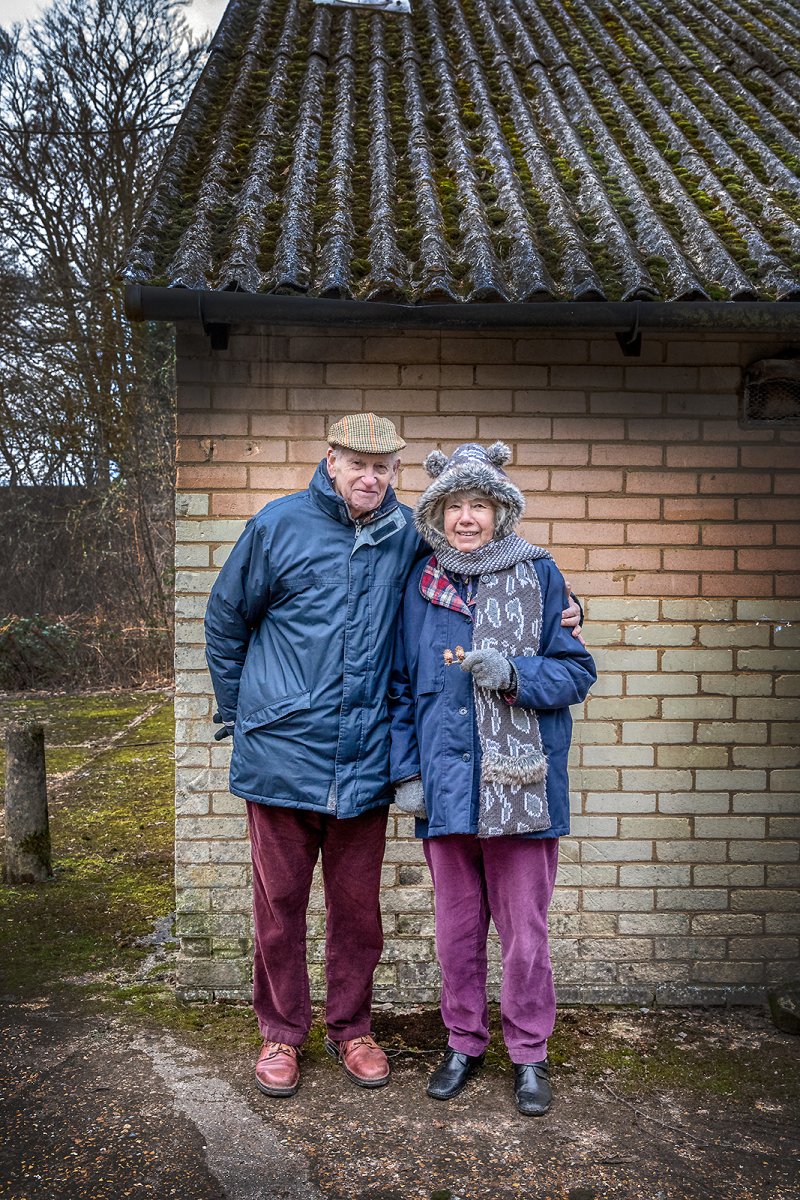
point(488, 150)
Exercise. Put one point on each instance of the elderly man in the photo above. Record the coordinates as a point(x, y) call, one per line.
point(299, 630)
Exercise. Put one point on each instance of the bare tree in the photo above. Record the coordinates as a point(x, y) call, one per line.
point(89, 94)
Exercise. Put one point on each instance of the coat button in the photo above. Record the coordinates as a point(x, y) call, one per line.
point(466, 757)
point(463, 711)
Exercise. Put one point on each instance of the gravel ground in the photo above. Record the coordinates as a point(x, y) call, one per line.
point(98, 1108)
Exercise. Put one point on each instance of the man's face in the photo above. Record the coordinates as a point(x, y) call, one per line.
point(361, 479)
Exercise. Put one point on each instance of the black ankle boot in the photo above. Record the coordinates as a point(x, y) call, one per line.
point(532, 1090)
point(452, 1074)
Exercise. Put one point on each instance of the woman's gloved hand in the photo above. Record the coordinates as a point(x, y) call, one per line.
point(490, 669)
point(409, 798)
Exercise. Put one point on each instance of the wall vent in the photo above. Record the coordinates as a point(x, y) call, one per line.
point(771, 394)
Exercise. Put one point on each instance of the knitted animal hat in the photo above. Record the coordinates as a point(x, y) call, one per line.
point(470, 468)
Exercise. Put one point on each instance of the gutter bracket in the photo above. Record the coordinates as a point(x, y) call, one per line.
point(630, 340)
point(218, 333)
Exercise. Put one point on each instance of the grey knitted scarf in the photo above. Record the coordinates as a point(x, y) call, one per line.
point(508, 618)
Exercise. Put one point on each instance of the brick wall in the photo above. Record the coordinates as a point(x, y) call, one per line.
point(678, 528)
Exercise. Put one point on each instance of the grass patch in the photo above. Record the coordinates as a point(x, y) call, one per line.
point(111, 833)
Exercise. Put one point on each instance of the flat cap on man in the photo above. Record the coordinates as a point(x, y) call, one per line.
point(365, 433)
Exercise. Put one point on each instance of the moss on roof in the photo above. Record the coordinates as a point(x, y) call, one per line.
point(488, 149)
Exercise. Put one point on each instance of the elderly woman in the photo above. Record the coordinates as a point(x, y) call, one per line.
point(483, 678)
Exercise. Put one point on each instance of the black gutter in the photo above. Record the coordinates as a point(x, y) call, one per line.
point(218, 310)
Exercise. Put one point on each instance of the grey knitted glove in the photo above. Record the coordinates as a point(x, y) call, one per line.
point(409, 798)
point(490, 669)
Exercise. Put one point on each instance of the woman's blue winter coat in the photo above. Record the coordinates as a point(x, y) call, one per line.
point(299, 632)
point(432, 706)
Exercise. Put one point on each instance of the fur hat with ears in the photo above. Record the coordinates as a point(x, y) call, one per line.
point(470, 468)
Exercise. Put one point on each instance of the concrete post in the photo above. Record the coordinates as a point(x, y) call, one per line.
point(27, 826)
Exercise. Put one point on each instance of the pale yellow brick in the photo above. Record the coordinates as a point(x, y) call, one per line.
point(191, 504)
point(192, 683)
point(653, 923)
point(769, 900)
point(736, 684)
point(622, 708)
point(776, 803)
point(697, 708)
point(190, 632)
point(605, 634)
point(617, 949)
point(734, 635)
point(726, 924)
point(592, 779)
point(190, 658)
point(786, 635)
point(785, 781)
point(654, 875)
point(729, 875)
point(654, 827)
point(764, 756)
point(625, 659)
point(586, 875)
point(191, 804)
point(729, 827)
point(662, 685)
point(762, 947)
point(618, 900)
point(208, 531)
point(691, 899)
point(656, 780)
point(649, 732)
point(692, 802)
point(192, 556)
point(619, 850)
point(192, 756)
point(691, 851)
point(787, 685)
point(732, 780)
point(620, 802)
point(618, 756)
point(594, 826)
point(692, 756)
point(601, 733)
point(697, 660)
point(698, 610)
point(192, 706)
point(198, 582)
point(565, 900)
point(190, 606)
point(225, 804)
point(778, 611)
point(768, 660)
point(764, 851)
point(659, 635)
point(728, 972)
point(622, 608)
point(730, 733)
point(690, 947)
point(608, 684)
point(784, 827)
point(785, 733)
point(782, 922)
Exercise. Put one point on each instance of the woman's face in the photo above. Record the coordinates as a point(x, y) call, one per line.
point(468, 521)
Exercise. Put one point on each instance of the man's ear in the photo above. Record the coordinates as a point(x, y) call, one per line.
point(331, 458)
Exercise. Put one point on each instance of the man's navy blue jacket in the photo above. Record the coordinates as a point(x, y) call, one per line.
point(299, 634)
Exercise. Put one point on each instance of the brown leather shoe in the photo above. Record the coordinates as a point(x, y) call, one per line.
point(277, 1072)
point(362, 1059)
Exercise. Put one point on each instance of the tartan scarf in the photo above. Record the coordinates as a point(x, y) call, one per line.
point(507, 617)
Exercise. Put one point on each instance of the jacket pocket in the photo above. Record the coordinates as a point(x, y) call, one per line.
point(430, 685)
point(276, 711)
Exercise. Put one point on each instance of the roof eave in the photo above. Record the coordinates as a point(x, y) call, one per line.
point(229, 308)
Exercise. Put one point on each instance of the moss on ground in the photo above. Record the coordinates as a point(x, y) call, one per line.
point(111, 833)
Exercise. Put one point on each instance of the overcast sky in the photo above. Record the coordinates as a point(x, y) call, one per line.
point(201, 14)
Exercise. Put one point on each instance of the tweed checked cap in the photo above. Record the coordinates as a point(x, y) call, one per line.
point(366, 433)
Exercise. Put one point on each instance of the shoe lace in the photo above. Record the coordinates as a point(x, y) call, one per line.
point(282, 1048)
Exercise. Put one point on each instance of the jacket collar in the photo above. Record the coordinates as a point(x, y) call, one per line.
point(323, 494)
